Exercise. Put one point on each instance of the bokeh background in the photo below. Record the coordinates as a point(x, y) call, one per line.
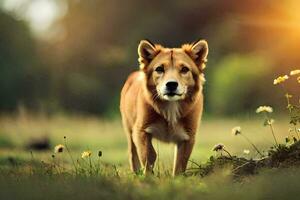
point(73, 56)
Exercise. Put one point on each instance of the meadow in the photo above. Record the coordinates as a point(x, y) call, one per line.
point(62, 66)
point(32, 174)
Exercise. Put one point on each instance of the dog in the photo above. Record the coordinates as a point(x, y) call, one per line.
point(164, 100)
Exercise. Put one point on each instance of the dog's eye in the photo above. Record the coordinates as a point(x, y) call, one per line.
point(160, 69)
point(184, 70)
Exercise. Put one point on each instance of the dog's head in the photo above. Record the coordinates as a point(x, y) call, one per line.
point(173, 74)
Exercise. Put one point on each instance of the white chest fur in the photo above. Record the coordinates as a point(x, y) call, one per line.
point(171, 112)
point(166, 132)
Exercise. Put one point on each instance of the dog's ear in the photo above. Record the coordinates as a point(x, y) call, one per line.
point(198, 51)
point(147, 51)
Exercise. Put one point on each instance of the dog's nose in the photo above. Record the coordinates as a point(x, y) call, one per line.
point(171, 85)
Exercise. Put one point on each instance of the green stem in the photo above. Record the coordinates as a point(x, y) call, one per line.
point(90, 162)
point(68, 150)
point(256, 149)
point(271, 127)
point(227, 153)
point(290, 112)
point(272, 130)
point(55, 166)
point(31, 163)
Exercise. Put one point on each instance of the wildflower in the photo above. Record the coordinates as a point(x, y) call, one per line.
point(268, 109)
point(295, 72)
point(287, 95)
point(246, 151)
point(269, 122)
point(59, 148)
point(221, 147)
point(86, 154)
point(280, 79)
point(236, 130)
point(218, 147)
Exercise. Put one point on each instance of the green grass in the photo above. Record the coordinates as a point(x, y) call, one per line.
point(278, 184)
point(26, 175)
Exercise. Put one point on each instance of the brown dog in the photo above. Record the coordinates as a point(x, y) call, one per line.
point(164, 100)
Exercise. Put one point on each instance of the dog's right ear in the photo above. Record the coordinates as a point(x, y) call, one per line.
point(147, 52)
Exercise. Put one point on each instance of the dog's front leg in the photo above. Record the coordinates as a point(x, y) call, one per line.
point(182, 154)
point(145, 150)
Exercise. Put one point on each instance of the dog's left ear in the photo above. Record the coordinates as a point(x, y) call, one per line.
point(147, 51)
point(198, 52)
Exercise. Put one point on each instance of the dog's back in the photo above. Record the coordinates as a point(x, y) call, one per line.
point(129, 100)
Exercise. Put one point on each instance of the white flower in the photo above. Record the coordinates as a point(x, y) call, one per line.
point(271, 121)
point(268, 109)
point(236, 130)
point(59, 148)
point(246, 151)
point(218, 147)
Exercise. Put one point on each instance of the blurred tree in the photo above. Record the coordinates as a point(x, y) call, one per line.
point(91, 50)
point(21, 80)
point(241, 83)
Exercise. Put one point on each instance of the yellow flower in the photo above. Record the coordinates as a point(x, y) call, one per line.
point(86, 154)
point(295, 72)
point(236, 130)
point(59, 148)
point(268, 109)
point(280, 79)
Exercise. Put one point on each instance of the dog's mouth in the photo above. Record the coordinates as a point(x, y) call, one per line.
point(168, 95)
point(172, 94)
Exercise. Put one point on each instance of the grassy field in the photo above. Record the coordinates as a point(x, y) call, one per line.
point(27, 174)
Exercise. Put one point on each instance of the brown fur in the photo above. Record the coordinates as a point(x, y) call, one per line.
point(149, 113)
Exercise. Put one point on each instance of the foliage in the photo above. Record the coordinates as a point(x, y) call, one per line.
point(233, 86)
point(84, 58)
point(21, 80)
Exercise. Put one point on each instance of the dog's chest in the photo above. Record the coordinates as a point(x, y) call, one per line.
point(168, 129)
point(167, 132)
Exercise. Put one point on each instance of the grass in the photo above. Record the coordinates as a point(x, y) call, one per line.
point(95, 134)
point(28, 174)
point(272, 184)
point(36, 175)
